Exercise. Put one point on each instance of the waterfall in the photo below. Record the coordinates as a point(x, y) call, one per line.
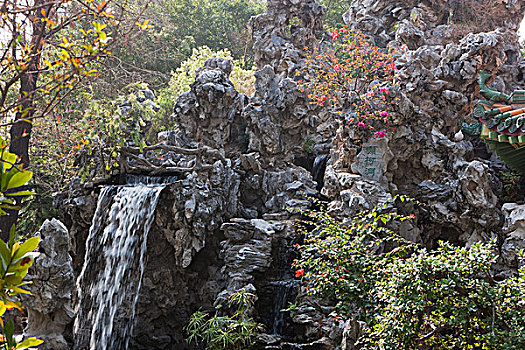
point(283, 291)
point(111, 276)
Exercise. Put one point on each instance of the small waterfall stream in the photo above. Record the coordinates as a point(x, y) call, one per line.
point(283, 292)
point(111, 276)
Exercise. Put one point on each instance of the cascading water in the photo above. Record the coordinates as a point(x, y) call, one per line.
point(283, 291)
point(111, 276)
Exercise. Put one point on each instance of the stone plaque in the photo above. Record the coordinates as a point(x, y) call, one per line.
point(370, 161)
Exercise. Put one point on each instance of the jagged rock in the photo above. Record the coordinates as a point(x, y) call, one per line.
point(248, 248)
point(514, 230)
point(476, 186)
point(351, 332)
point(210, 113)
point(279, 116)
point(50, 308)
point(200, 206)
point(277, 38)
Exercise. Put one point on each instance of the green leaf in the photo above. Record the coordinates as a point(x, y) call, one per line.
point(19, 179)
point(26, 247)
point(7, 177)
point(13, 279)
point(5, 256)
point(12, 236)
point(29, 343)
point(9, 330)
point(18, 290)
point(5, 200)
point(20, 193)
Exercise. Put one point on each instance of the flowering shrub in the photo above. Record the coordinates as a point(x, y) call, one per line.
point(410, 297)
point(351, 76)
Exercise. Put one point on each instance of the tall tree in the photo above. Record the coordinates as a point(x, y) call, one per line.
point(48, 48)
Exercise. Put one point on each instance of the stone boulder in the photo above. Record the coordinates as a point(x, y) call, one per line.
point(50, 308)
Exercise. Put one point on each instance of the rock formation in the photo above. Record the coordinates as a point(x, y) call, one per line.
point(50, 308)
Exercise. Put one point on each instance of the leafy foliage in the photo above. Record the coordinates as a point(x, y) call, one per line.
point(177, 28)
point(235, 332)
point(109, 125)
point(58, 42)
point(410, 297)
point(352, 75)
point(334, 10)
point(15, 257)
point(12, 179)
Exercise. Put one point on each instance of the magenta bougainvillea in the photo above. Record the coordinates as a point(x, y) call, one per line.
point(354, 78)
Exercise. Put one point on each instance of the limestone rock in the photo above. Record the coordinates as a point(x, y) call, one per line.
point(350, 334)
point(210, 113)
point(277, 38)
point(514, 230)
point(50, 308)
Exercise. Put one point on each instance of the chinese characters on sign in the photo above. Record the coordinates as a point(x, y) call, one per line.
point(370, 162)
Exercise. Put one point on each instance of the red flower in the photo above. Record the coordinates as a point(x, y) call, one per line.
point(299, 273)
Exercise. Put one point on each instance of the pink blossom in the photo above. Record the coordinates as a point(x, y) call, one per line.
point(361, 124)
point(335, 34)
point(380, 134)
point(384, 89)
point(370, 93)
point(337, 67)
point(384, 114)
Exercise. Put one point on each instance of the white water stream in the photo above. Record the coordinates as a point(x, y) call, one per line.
point(114, 262)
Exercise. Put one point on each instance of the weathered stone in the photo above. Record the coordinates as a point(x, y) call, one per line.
point(514, 230)
point(210, 113)
point(50, 308)
point(351, 333)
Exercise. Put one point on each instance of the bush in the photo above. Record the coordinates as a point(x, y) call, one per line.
point(236, 332)
point(16, 257)
point(410, 297)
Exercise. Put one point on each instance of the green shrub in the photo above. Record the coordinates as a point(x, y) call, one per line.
point(236, 332)
point(16, 257)
point(408, 296)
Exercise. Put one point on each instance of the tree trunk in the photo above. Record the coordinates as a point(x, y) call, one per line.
point(21, 130)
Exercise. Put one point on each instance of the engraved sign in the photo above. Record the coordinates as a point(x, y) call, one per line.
point(370, 161)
